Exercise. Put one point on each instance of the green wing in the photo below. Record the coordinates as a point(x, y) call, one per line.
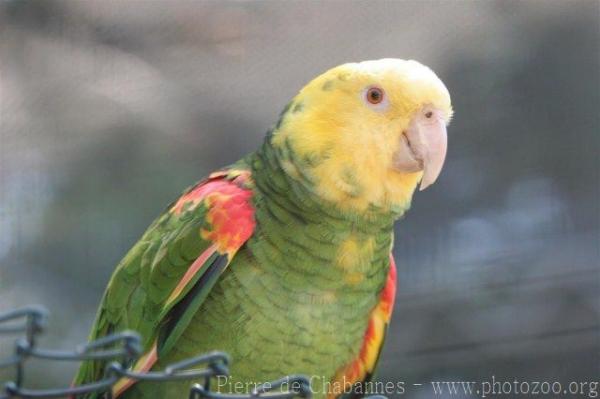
point(163, 279)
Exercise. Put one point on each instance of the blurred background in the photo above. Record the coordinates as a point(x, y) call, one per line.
point(109, 109)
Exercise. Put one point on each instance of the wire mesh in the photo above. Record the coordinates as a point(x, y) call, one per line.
point(122, 349)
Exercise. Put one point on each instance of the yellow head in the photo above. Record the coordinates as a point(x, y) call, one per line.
point(363, 135)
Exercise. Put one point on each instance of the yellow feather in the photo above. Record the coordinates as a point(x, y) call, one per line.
point(352, 143)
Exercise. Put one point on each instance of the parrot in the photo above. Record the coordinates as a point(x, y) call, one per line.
point(284, 259)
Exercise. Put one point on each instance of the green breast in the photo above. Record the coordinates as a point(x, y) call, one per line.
point(296, 298)
point(276, 319)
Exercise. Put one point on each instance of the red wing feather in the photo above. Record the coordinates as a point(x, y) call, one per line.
point(230, 223)
point(362, 367)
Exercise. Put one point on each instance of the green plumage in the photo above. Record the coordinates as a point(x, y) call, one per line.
point(283, 260)
point(281, 307)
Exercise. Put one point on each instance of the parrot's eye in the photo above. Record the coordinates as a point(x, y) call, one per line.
point(374, 95)
point(428, 114)
point(375, 98)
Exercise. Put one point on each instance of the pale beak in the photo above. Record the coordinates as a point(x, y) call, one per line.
point(423, 147)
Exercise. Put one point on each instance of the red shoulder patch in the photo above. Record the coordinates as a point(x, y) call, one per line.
point(230, 215)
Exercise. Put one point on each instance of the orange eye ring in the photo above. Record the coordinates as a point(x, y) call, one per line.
point(375, 95)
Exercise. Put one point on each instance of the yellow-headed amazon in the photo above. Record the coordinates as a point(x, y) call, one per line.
point(283, 258)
